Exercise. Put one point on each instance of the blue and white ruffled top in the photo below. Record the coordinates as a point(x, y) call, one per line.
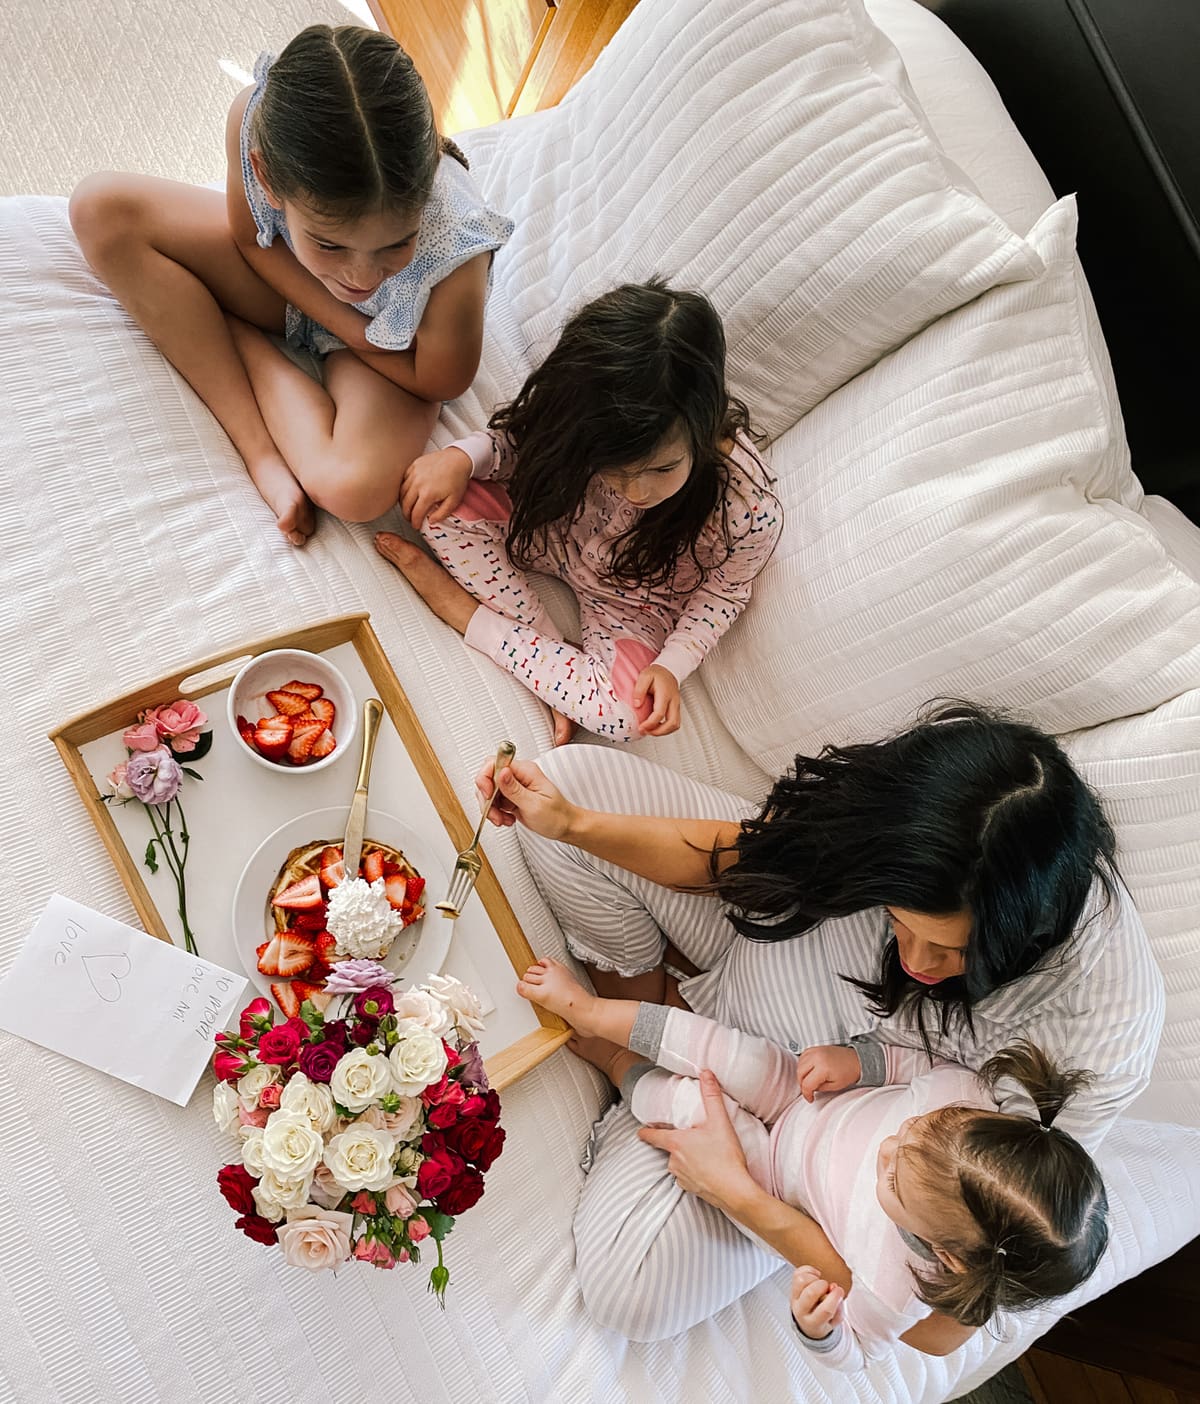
point(456, 224)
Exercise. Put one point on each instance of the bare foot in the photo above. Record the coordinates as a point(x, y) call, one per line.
point(549, 983)
point(278, 488)
point(563, 727)
point(612, 1060)
point(435, 585)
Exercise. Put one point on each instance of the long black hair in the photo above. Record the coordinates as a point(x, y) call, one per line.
point(345, 124)
point(1035, 1200)
point(965, 811)
point(629, 369)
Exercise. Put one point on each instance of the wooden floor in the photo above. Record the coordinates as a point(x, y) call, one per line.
point(1053, 1379)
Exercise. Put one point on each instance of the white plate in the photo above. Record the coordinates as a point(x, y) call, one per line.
point(421, 948)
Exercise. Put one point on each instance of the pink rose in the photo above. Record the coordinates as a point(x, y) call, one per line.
point(179, 723)
point(398, 1201)
point(417, 1228)
point(256, 1016)
point(142, 737)
point(257, 1117)
point(270, 1095)
point(372, 1251)
point(324, 1189)
point(229, 1066)
point(118, 783)
point(363, 1203)
point(280, 1044)
point(154, 776)
point(315, 1238)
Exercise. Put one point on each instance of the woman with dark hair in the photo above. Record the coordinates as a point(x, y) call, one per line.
point(950, 889)
point(627, 469)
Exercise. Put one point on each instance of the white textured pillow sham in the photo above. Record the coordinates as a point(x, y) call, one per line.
point(768, 153)
point(958, 522)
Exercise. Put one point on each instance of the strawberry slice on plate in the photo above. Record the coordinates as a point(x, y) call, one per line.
point(309, 989)
point(324, 745)
point(286, 997)
point(268, 957)
point(372, 865)
point(334, 872)
point(309, 920)
point(396, 888)
point(273, 736)
point(304, 738)
point(287, 703)
point(297, 951)
point(324, 710)
point(416, 885)
point(305, 893)
point(309, 691)
point(325, 943)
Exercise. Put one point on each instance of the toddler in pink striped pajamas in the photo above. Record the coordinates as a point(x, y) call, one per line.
point(624, 468)
point(925, 1193)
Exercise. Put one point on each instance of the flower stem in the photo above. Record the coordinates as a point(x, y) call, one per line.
point(160, 820)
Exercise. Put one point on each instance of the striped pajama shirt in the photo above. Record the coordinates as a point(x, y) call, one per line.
point(653, 1261)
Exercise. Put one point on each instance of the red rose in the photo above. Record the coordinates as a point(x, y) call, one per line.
point(257, 1009)
point(492, 1148)
point(484, 1105)
point(279, 1045)
point(452, 1055)
point(256, 1227)
point(435, 1091)
point(229, 1066)
point(462, 1194)
point(374, 1003)
point(334, 1031)
point(438, 1172)
point(318, 1060)
point(363, 1032)
point(472, 1107)
point(236, 1183)
point(469, 1138)
point(446, 1111)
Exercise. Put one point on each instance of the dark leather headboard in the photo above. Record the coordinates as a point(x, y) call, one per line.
point(1107, 94)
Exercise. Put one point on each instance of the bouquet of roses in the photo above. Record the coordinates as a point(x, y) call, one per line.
point(361, 1135)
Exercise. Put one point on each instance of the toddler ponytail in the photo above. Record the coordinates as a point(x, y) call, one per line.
point(1034, 1197)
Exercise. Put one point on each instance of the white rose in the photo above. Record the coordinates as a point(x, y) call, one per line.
point(252, 1083)
point(460, 1003)
point(417, 1058)
point(311, 1099)
point(274, 1196)
point(359, 1079)
point(225, 1107)
point(252, 1149)
point(420, 1007)
point(360, 1158)
point(290, 1146)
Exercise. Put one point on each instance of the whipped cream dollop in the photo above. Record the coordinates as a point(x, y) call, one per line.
point(362, 920)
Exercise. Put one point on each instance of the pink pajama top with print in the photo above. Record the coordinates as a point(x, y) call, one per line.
point(624, 628)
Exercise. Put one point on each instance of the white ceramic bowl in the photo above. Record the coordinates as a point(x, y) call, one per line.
point(268, 673)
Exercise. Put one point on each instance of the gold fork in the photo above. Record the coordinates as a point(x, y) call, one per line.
point(468, 863)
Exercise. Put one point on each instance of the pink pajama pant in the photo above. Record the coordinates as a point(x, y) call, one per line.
point(591, 682)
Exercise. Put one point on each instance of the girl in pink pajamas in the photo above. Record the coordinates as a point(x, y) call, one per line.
point(625, 468)
point(922, 1195)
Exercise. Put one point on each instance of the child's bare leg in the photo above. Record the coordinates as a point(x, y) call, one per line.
point(348, 441)
point(549, 983)
point(166, 252)
point(612, 1060)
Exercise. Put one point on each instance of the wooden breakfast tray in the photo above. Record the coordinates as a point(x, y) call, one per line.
point(239, 804)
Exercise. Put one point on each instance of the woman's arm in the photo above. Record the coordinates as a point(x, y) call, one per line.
point(673, 852)
point(278, 266)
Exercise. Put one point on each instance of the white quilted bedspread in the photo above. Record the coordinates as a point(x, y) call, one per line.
point(133, 542)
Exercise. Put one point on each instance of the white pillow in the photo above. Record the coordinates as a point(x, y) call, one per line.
point(1147, 770)
point(768, 152)
point(958, 522)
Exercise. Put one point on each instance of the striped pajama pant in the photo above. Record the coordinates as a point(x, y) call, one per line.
point(652, 1260)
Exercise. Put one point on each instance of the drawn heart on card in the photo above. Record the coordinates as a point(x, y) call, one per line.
point(106, 973)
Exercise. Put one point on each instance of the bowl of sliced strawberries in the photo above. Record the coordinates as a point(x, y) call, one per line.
point(292, 711)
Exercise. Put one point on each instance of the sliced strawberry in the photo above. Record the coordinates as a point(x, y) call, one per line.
point(305, 893)
point(286, 998)
point(330, 854)
point(396, 887)
point(413, 914)
point(309, 691)
point(246, 732)
point(325, 745)
point(333, 874)
point(322, 707)
point(304, 738)
point(390, 869)
point(309, 921)
point(287, 703)
point(268, 957)
point(416, 885)
point(309, 989)
point(273, 736)
point(296, 952)
point(372, 865)
point(318, 972)
point(325, 943)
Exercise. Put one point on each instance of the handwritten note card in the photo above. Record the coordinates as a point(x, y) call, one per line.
point(116, 999)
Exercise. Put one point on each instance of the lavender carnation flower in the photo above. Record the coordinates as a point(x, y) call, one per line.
point(154, 776)
point(351, 976)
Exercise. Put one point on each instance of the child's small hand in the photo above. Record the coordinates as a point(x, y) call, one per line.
point(826, 1069)
point(816, 1304)
point(434, 485)
point(662, 687)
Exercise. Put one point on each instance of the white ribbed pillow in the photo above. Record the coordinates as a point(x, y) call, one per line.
point(961, 520)
point(1147, 770)
point(768, 152)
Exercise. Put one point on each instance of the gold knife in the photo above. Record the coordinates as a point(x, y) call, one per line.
point(356, 822)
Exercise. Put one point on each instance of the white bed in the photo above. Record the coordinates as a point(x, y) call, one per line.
point(134, 542)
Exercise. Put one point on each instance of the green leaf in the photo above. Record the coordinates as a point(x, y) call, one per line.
point(312, 1016)
point(439, 1224)
point(195, 774)
point(150, 860)
point(204, 743)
